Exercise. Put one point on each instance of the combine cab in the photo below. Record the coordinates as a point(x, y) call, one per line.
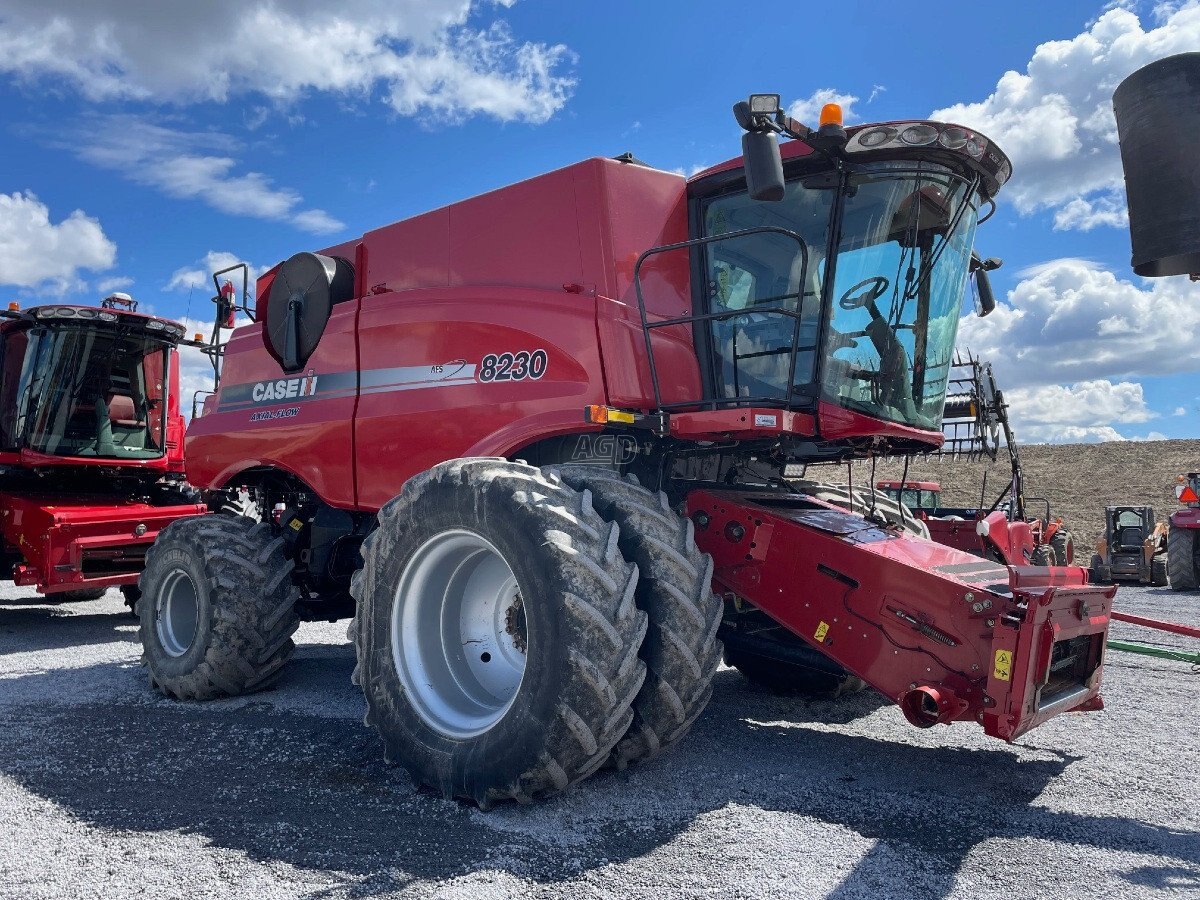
point(91, 444)
point(541, 445)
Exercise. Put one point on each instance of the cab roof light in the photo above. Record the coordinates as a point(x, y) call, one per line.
point(831, 114)
point(14, 306)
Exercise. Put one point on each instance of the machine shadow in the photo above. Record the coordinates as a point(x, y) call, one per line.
point(33, 626)
point(263, 776)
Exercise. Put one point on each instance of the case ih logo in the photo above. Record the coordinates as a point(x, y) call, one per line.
point(284, 389)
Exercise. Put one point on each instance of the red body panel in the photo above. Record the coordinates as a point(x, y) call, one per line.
point(908, 485)
point(543, 265)
point(1188, 517)
point(74, 542)
point(1013, 542)
point(906, 615)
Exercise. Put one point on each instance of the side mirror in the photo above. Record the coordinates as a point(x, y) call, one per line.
point(764, 165)
point(985, 299)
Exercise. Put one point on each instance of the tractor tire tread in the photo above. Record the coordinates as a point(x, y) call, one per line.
point(1182, 560)
point(593, 708)
point(253, 606)
point(681, 650)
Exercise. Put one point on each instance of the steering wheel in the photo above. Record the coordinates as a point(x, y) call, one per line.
point(875, 288)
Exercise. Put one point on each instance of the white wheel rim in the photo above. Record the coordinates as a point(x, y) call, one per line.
point(177, 613)
point(459, 633)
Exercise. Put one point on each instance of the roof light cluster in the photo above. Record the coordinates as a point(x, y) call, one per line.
point(82, 312)
point(934, 135)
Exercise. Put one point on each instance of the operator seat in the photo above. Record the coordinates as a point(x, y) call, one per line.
point(1130, 537)
point(128, 429)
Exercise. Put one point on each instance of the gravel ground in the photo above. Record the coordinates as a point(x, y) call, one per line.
point(107, 790)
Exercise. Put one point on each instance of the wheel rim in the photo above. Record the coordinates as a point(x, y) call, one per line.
point(177, 613)
point(459, 633)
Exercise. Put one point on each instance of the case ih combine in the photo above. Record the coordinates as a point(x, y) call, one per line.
point(405, 421)
point(91, 444)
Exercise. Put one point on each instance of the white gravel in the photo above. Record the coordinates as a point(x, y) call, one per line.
point(107, 790)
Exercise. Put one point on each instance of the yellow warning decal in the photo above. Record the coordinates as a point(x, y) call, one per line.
point(296, 525)
point(822, 630)
point(1003, 667)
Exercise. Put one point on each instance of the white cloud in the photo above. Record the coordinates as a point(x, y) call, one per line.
point(38, 253)
point(191, 166)
point(424, 56)
point(808, 109)
point(1084, 215)
point(198, 275)
point(106, 286)
point(1070, 320)
point(1055, 119)
point(1180, 411)
point(1076, 413)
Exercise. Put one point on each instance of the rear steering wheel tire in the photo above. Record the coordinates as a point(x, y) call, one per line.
point(497, 632)
point(218, 608)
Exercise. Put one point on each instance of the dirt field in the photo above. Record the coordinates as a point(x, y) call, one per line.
point(1079, 480)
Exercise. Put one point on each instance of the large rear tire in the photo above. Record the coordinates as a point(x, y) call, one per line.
point(1181, 559)
point(681, 650)
point(218, 608)
point(497, 632)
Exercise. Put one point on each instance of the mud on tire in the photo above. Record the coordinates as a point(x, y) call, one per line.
point(1181, 559)
point(233, 573)
point(681, 650)
point(576, 616)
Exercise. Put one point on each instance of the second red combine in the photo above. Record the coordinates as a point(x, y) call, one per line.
point(536, 444)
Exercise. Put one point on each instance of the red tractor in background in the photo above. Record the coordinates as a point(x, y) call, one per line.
point(537, 443)
point(91, 444)
point(975, 422)
point(1183, 538)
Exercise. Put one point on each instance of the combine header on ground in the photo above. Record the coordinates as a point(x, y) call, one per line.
point(538, 443)
point(91, 444)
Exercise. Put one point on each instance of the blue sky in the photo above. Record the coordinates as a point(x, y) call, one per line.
point(142, 142)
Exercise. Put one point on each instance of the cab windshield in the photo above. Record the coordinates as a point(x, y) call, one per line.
point(77, 391)
point(884, 339)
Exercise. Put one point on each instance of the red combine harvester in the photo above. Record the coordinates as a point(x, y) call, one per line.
point(536, 441)
point(91, 444)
